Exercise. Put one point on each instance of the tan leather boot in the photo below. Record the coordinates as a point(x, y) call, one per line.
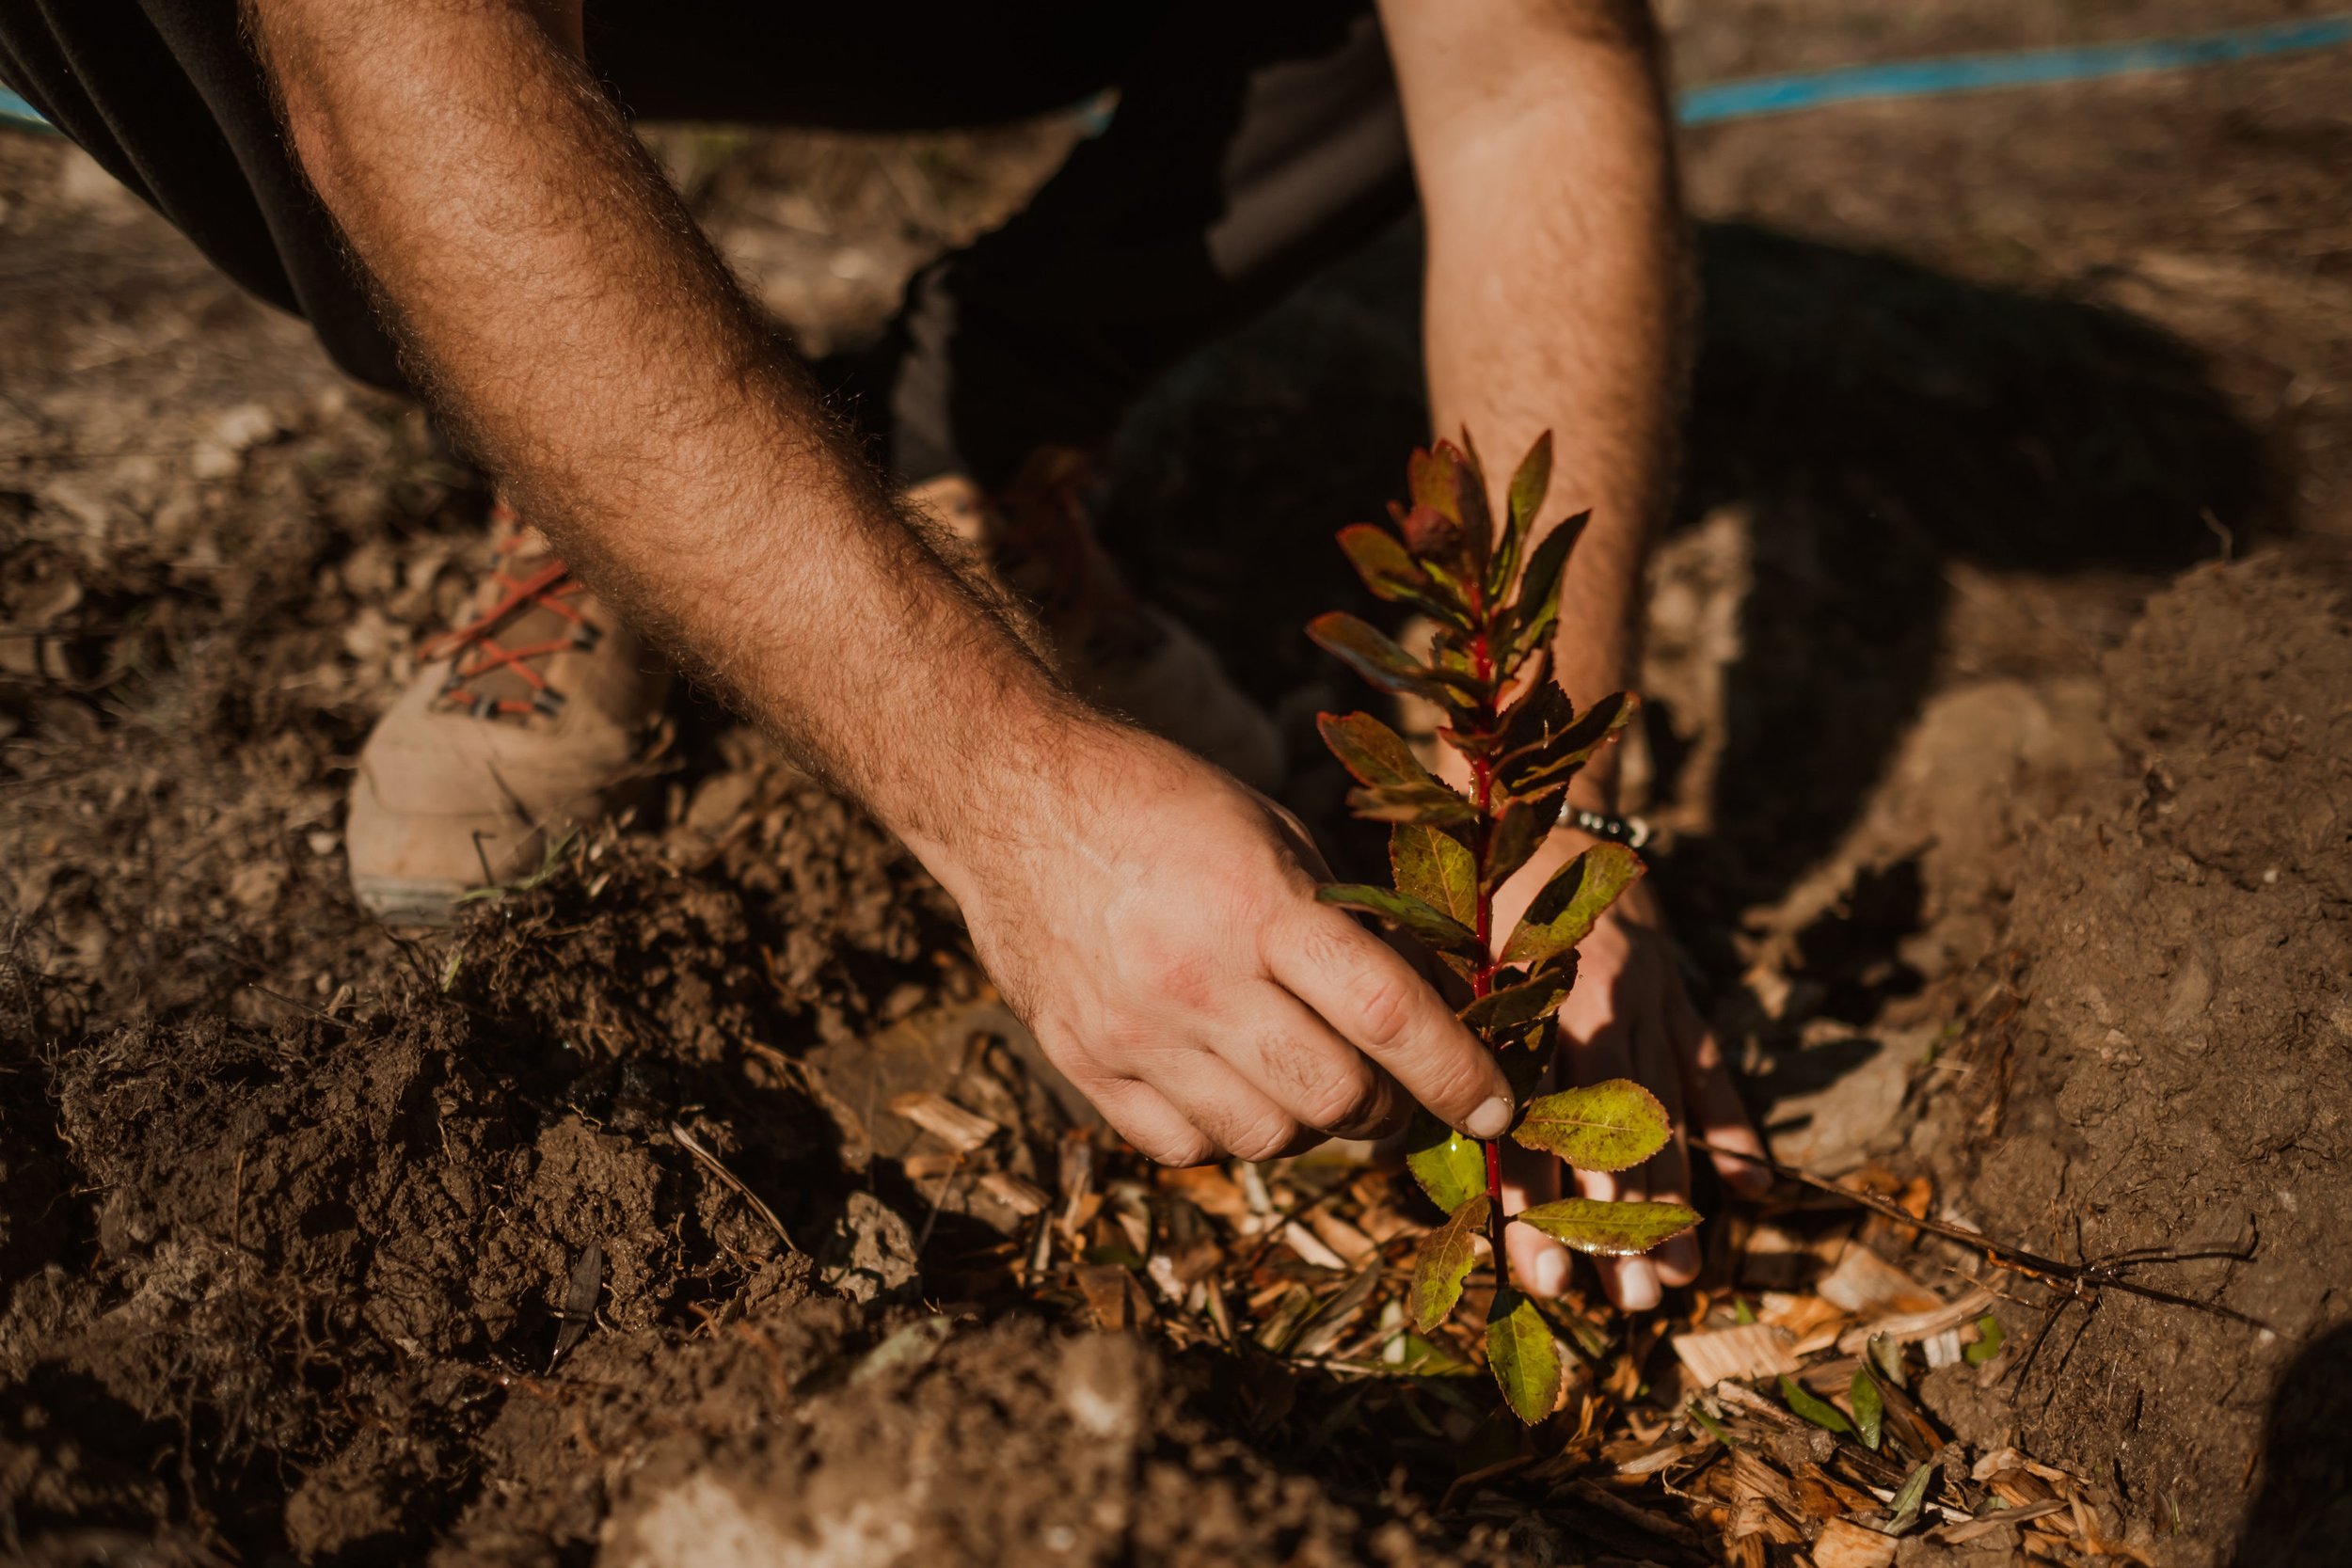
point(1036, 539)
point(526, 722)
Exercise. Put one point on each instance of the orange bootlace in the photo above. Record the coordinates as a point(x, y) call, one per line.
point(546, 587)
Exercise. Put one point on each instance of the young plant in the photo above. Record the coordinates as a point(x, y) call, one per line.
point(1496, 604)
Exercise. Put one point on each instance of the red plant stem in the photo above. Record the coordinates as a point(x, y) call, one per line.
point(1483, 980)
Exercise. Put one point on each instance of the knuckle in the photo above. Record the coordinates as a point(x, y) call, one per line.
point(1386, 1009)
point(1266, 1140)
point(1194, 1150)
point(1344, 1101)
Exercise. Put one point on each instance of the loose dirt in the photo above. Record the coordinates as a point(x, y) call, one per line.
point(2003, 811)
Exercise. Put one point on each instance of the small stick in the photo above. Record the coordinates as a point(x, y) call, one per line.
point(2077, 1279)
point(711, 1162)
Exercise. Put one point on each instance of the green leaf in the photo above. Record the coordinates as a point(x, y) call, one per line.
point(1870, 1408)
point(1545, 765)
point(1887, 1353)
point(1564, 913)
point(1375, 656)
point(1536, 608)
point(1910, 1499)
point(1432, 926)
point(1444, 1261)
point(1382, 561)
point(1614, 1125)
point(1712, 1427)
point(1609, 1230)
point(1371, 750)
point(1528, 484)
point(1520, 1354)
point(1436, 868)
point(1812, 1406)
point(1988, 1345)
point(1517, 832)
point(1515, 1008)
point(1429, 475)
point(1391, 572)
point(1431, 803)
point(1742, 1313)
point(1450, 1168)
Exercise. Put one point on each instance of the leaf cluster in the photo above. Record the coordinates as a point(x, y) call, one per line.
point(1490, 584)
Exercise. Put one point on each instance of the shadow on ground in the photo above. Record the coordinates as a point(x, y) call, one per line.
point(1874, 420)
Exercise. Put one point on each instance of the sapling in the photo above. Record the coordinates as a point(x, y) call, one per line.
point(1495, 602)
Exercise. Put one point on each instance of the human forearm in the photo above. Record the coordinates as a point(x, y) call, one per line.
point(1557, 287)
point(563, 312)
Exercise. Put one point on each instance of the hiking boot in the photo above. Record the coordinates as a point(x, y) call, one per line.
point(527, 722)
point(1037, 538)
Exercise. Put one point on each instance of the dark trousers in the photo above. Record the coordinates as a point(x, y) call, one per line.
point(1251, 143)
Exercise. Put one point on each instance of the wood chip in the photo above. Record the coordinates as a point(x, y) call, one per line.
point(1749, 1351)
point(1024, 1198)
point(960, 1129)
point(1954, 1535)
point(1309, 1247)
point(1342, 1238)
point(1868, 1286)
point(1843, 1544)
point(1905, 1328)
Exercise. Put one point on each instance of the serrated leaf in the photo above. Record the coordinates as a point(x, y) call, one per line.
point(1450, 1168)
point(1470, 486)
point(1520, 1354)
point(1545, 765)
point(1909, 1501)
point(1609, 1230)
point(1444, 1261)
point(1870, 1408)
point(1515, 1008)
point(1431, 803)
point(1521, 828)
point(1376, 657)
point(1802, 1401)
point(1436, 868)
point(1432, 926)
point(1613, 1125)
point(1375, 753)
point(1563, 913)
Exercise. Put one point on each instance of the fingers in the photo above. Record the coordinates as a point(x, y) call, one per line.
point(1713, 1099)
point(1373, 999)
point(1323, 1083)
point(1142, 1115)
point(1539, 1265)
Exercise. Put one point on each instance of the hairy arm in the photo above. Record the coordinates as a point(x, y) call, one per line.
point(1151, 920)
point(1558, 296)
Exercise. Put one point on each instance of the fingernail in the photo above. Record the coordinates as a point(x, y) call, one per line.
point(1550, 1274)
point(1639, 1285)
point(1490, 1120)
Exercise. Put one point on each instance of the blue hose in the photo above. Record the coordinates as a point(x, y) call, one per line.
point(1935, 78)
point(1957, 73)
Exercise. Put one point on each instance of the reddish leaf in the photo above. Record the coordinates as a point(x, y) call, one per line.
point(1429, 474)
point(1609, 1230)
point(1532, 478)
point(1377, 755)
point(1544, 766)
point(1614, 1125)
point(1384, 563)
point(1515, 1008)
point(1522, 826)
point(1537, 605)
point(1435, 868)
point(1469, 484)
point(1373, 654)
point(1564, 913)
point(1432, 926)
point(1444, 1263)
point(1430, 536)
point(1430, 803)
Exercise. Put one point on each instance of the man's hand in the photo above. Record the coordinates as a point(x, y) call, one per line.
point(1155, 924)
point(1628, 1017)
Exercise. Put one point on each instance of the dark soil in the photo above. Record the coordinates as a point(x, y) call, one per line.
point(2178, 1074)
point(2009, 836)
